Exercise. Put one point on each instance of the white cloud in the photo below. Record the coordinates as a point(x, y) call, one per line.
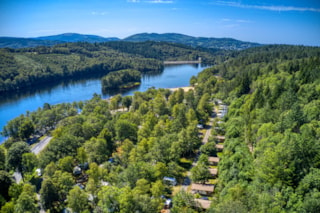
point(236, 20)
point(243, 21)
point(160, 2)
point(95, 13)
point(152, 1)
point(226, 19)
point(270, 8)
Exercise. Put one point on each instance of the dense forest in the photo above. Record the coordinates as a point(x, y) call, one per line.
point(32, 67)
point(215, 43)
point(112, 155)
point(121, 79)
point(272, 147)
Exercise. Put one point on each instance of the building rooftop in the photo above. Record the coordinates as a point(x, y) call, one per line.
point(213, 160)
point(213, 171)
point(219, 146)
point(220, 137)
point(202, 187)
point(205, 204)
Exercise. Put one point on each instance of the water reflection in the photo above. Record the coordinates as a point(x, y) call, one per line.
point(44, 89)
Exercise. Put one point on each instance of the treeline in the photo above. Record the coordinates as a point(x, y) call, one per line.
point(121, 79)
point(21, 68)
point(272, 149)
point(166, 51)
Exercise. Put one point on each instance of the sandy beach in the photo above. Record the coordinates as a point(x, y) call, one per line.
point(186, 89)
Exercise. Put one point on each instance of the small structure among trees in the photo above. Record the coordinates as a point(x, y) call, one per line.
point(202, 189)
point(213, 160)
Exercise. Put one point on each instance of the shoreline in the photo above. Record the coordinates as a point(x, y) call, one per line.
point(185, 89)
point(181, 62)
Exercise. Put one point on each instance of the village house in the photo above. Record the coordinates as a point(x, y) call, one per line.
point(219, 147)
point(213, 172)
point(220, 138)
point(202, 189)
point(213, 160)
point(204, 204)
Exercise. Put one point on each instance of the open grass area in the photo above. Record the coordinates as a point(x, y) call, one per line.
point(220, 154)
point(203, 131)
point(213, 181)
point(186, 163)
point(175, 190)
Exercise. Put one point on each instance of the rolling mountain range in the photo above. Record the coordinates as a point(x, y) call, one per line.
point(13, 42)
point(216, 43)
point(75, 37)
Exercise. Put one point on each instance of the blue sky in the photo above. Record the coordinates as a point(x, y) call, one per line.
point(272, 21)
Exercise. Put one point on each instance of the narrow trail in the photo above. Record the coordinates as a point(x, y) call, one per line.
point(187, 180)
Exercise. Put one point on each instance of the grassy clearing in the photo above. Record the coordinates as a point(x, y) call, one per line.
point(186, 163)
point(213, 181)
point(175, 190)
point(220, 154)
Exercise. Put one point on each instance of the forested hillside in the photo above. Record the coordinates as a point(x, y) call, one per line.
point(112, 156)
point(12, 42)
point(215, 43)
point(76, 37)
point(21, 68)
point(271, 159)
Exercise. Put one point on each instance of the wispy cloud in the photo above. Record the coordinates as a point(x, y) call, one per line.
point(236, 20)
point(160, 2)
point(152, 1)
point(95, 13)
point(264, 7)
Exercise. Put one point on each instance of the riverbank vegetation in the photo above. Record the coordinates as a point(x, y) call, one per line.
point(112, 156)
point(32, 67)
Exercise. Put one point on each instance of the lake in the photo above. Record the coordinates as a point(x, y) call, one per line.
point(12, 106)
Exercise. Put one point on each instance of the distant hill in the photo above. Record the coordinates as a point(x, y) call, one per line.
point(12, 42)
point(75, 37)
point(212, 43)
point(25, 42)
point(220, 43)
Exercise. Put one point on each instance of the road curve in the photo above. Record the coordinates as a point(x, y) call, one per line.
point(41, 145)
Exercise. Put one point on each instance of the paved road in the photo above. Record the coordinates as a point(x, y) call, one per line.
point(187, 180)
point(208, 130)
point(208, 133)
point(41, 145)
point(17, 176)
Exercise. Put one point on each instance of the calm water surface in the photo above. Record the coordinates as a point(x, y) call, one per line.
point(14, 105)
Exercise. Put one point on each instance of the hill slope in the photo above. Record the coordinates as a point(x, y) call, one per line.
point(34, 66)
point(12, 42)
point(16, 43)
point(213, 43)
point(220, 43)
point(75, 37)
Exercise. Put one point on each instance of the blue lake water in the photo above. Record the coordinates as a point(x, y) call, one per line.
point(17, 104)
